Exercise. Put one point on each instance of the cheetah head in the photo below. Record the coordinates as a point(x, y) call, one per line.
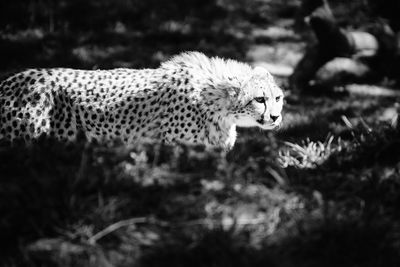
point(260, 102)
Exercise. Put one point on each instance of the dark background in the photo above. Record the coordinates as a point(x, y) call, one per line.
point(322, 191)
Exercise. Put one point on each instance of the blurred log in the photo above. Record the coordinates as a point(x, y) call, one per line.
point(305, 70)
point(363, 44)
point(307, 7)
point(340, 71)
point(332, 39)
point(334, 42)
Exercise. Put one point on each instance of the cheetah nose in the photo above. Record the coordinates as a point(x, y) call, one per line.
point(274, 118)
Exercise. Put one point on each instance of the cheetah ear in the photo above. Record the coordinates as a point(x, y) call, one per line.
point(230, 92)
point(230, 95)
point(260, 71)
point(223, 95)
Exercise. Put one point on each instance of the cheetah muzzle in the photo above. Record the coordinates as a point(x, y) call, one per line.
point(189, 99)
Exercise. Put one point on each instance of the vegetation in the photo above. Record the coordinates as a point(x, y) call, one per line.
point(322, 191)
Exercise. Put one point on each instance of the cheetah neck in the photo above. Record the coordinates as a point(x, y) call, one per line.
point(221, 132)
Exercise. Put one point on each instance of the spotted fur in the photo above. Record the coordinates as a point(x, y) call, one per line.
point(190, 98)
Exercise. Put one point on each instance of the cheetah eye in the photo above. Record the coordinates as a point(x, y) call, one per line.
point(278, 98)
point(260, 99)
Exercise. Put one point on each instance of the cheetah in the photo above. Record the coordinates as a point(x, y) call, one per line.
point(190, 98)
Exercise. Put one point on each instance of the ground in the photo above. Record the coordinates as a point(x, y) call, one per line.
point(322, 191)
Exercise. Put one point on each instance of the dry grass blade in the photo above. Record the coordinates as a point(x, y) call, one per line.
point(115, 226)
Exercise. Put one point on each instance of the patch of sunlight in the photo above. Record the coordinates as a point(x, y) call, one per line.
point(275, 69)
point(283, 53)
point(173, 26)
point(372, 90)
point(25, 35)
point(91, 54)
point(213, 185)
point(261, 209)
point(273, 32)
point(147, 175)
point(291, 120)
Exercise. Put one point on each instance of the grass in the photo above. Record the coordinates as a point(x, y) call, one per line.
point(308, 155)
point(184, 206)
point(322, 191)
